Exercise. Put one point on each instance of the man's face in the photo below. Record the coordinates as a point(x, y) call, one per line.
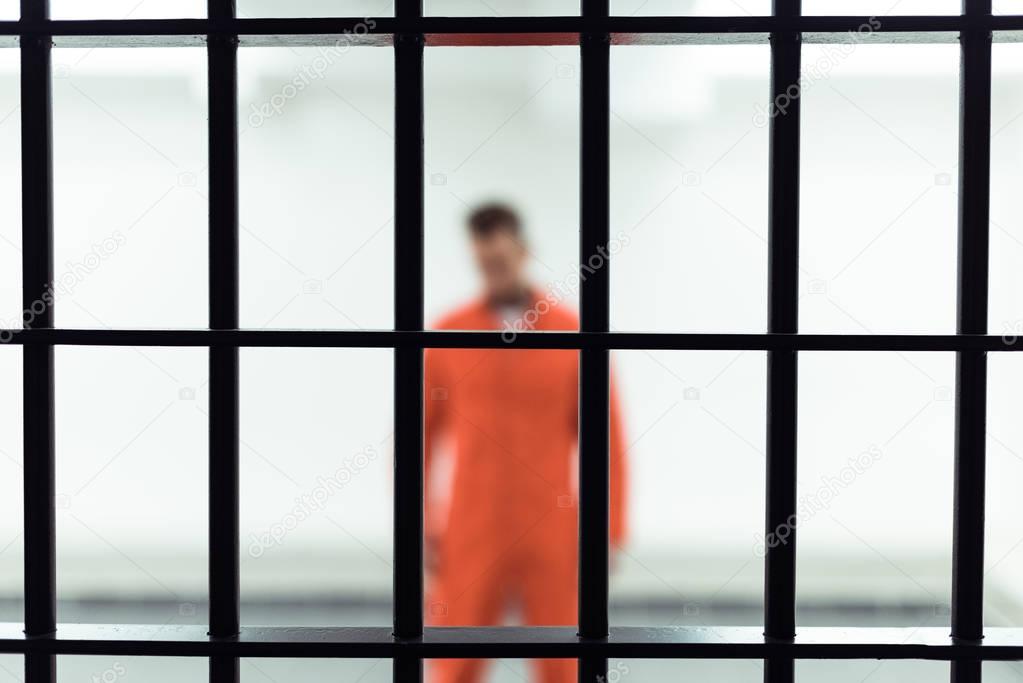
point(501, 259)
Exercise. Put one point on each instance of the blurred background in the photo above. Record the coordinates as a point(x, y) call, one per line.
point(689, 198)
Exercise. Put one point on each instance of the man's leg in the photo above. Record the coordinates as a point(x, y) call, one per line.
point(460, 599)
point(550, 598)
point(555, 670)
point(455, 670)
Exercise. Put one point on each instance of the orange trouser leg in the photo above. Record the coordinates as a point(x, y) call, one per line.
point(555, 670)
point(550, 598)
point(456, 670)
point(464, 597)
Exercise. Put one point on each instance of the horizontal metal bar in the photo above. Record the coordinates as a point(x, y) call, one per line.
point(569, 26)
point(524, 340)
point(510, 39)
point(506, 39)
point(674, 642)
point(516, 39)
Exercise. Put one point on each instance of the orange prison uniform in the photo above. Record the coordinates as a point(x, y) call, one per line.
point(508, 531)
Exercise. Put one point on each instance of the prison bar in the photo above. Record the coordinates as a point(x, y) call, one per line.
point(38, 362)
point(224, 492)
point(625, 642)
point(594, 316)
point(592, 642)
point(190, 31)
point(408, 361)
point(442, 339)
point(971, 318)
point(782, 318)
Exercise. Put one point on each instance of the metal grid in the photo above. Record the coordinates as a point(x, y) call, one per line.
point(779, 643)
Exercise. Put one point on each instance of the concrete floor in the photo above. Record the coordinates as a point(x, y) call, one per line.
point(75, 669)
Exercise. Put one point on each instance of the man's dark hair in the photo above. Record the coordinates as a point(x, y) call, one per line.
point(488, 219)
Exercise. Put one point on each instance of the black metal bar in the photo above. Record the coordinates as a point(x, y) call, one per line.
point(408, 316)
point(1004, 34)
point(38, 366)
point(505, 38)
point(594, 364)
point(594, 234)
point(37, 302)
point(593, 668)
point(971, 318)
point(407, 667)
point(335, 26)
point(40, 668)
point(526, 340)
point(594, 30)
point(224, 580)
point(783, 318)
point(628, 642)
point(225, 668)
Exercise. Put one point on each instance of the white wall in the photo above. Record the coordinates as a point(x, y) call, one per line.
point(689, 188)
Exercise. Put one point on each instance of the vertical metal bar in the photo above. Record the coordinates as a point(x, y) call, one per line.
point(783, 317)
point(38, 367)
point(408, 315)
point(972, 312)
point(407, 670)
point(222, 52)
point(40, 668)
point(594, 365)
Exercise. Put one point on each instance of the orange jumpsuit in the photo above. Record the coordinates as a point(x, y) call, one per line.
point(506, 529)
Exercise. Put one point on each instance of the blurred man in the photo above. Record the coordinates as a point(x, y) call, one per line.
point(504, 532)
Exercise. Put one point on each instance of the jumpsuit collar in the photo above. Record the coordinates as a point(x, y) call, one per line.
point(492, 312)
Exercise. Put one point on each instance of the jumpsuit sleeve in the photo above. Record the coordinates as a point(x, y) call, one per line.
point(435, 395)
point(619, 483)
